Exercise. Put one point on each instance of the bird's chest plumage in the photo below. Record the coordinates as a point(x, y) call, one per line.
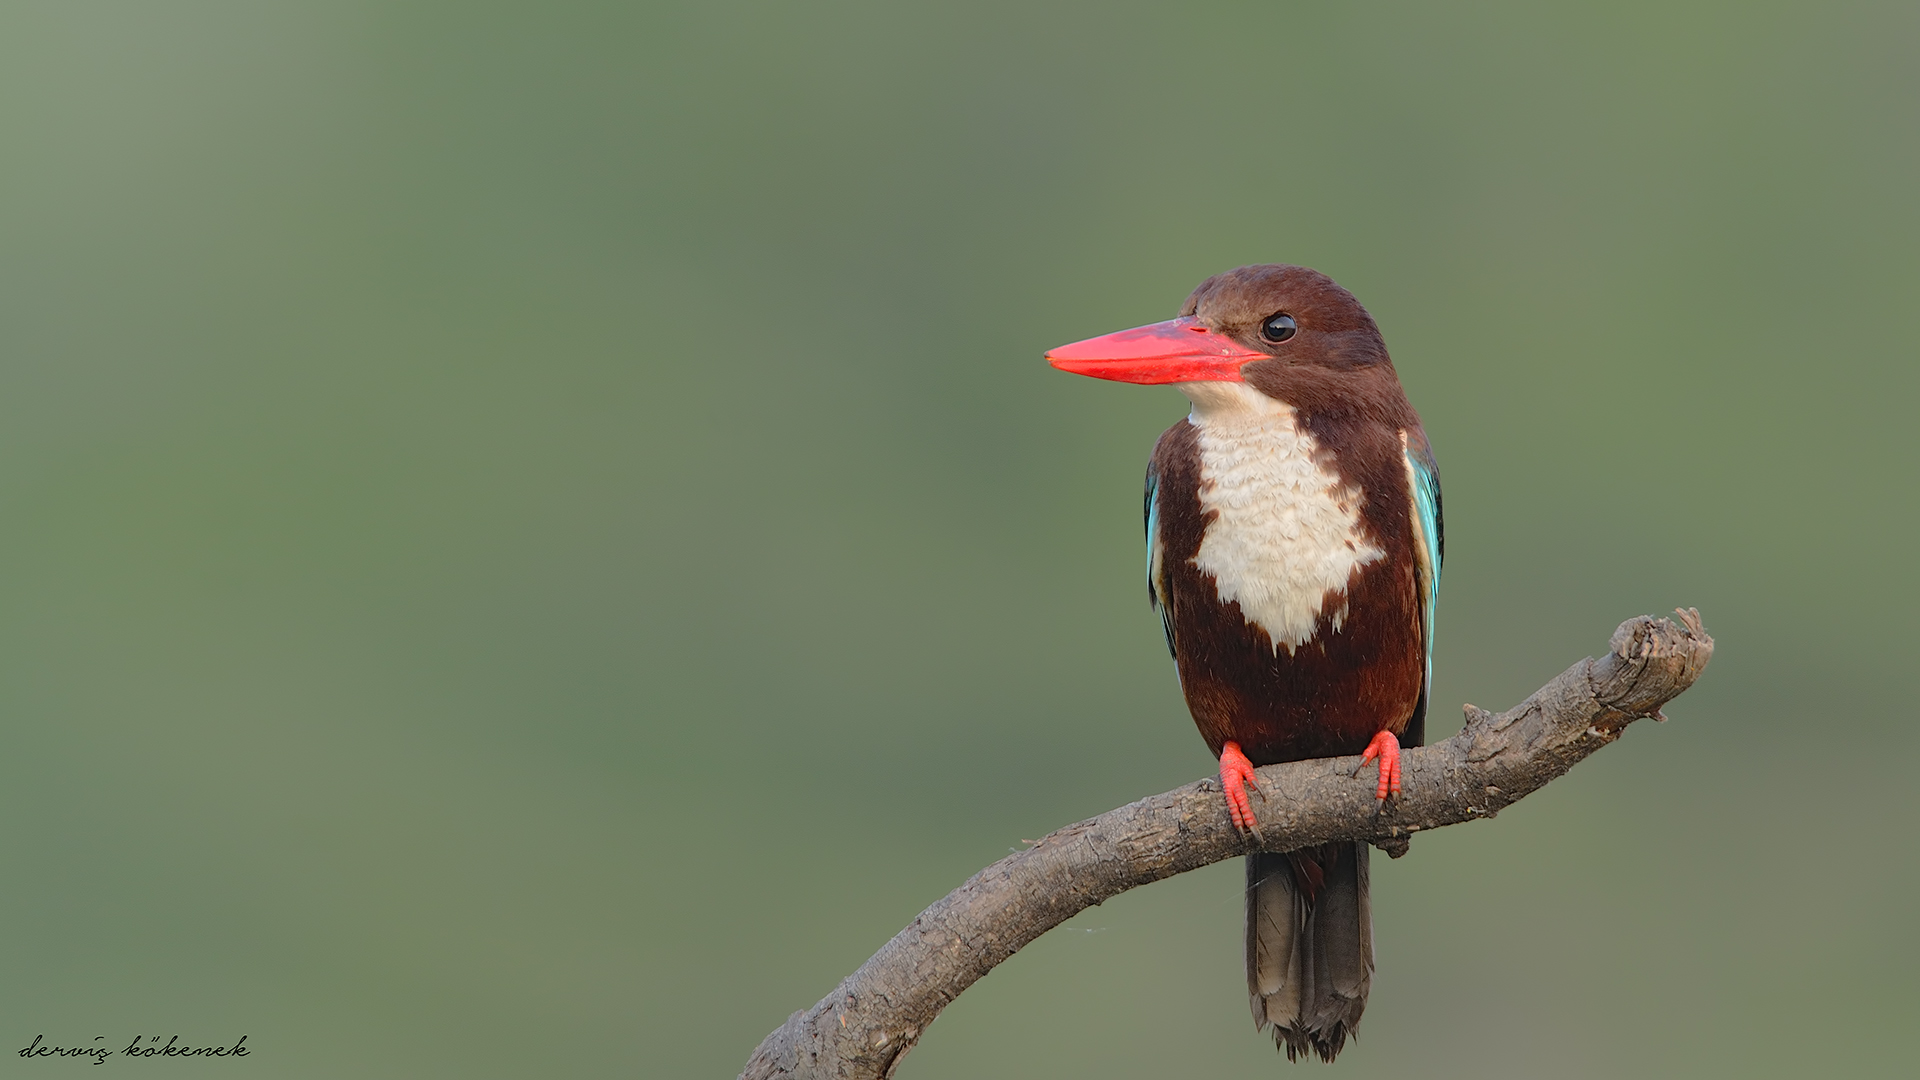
point(1283, 534)
point(1289, 593)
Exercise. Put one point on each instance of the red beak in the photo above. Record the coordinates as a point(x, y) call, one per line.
point(1178, 350)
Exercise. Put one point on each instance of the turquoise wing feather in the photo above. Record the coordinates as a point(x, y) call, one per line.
point(1430, 543)
point(1156, 588)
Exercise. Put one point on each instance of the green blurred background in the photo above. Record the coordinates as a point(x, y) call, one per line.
point(536, 537)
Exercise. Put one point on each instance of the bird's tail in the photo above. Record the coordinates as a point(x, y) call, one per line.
point(1309, 945)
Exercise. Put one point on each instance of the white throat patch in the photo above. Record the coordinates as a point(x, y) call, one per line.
point(1286, 536)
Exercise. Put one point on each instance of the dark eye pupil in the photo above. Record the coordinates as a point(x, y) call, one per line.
point(1278, 327)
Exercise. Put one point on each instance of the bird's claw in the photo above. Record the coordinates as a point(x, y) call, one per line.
point(1387, 748)
point(1236, 775)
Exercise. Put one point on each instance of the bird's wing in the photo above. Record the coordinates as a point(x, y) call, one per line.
point(1156, 575)
point(1430, 546)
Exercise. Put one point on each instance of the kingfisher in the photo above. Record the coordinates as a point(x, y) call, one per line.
point(1294, 542)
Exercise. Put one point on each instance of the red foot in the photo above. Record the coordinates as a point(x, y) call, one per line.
point(1236, 775)
point(1387, 748)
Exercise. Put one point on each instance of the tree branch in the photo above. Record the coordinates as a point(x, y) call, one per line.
point(866, 1026)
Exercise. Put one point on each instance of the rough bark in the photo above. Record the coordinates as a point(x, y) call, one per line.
point(866, 1026)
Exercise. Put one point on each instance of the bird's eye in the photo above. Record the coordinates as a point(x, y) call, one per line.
point(1278, 328)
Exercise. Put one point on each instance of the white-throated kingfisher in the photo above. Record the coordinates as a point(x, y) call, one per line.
point(1294, 547)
